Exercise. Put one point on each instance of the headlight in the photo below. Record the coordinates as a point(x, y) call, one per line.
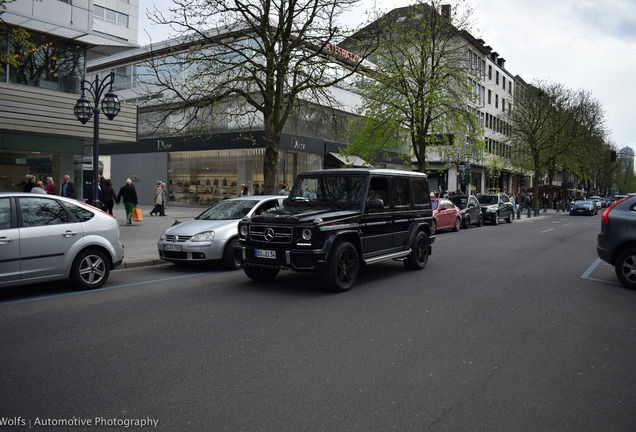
point(163, 237)
point(306, 234)
point(203, 237)
point(243, 230)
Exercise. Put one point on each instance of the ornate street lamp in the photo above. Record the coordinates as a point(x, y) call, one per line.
point(84, 111)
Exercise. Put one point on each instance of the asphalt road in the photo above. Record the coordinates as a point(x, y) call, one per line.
point(515, 327)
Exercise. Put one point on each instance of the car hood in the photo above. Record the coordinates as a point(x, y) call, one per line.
point(300, 214)
point(194, 226)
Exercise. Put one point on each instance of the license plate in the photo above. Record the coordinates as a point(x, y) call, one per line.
point(173, 248)
point(260, 253)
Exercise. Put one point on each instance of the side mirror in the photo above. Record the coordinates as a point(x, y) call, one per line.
point(443, 208)
point(375, 203)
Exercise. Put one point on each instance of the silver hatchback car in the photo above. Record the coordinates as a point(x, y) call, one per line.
point(47, 237)
point(211, 235)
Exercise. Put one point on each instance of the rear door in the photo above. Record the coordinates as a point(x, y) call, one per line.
point(401, 201)
point(376, 221)
point(9, 243)
point(47, 234)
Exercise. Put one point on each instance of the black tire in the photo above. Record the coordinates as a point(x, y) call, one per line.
point(90, 270)
point(495, 221)
point(421, 249)
point(433, 226)
point(260, 274)
point(458, 225)
point(625, 267)
point(342, 267)
point(229, 262)
point(467, 223)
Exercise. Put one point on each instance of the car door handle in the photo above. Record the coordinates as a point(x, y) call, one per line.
point(69, 233)
point(5, 240)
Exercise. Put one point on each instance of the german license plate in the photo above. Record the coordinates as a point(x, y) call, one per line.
point(173, 248)
point(260, 253)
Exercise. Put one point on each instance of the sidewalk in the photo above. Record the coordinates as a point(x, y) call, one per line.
point(140, 238)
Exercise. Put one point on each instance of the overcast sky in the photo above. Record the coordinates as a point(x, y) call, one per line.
point(582, 44)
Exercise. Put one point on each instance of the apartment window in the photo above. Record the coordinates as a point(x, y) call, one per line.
point(509, 87)
point(489, 97)
point(503, 105)
point(489, 72)
point(497, 77)
point(503, 82)
point(496, 101)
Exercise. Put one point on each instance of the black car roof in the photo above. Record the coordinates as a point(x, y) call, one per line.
point(358, 171)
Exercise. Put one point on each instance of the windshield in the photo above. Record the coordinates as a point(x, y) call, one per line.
point(581, 202)
point(460, 202)
point(228, 209)
point(341, 189)
point(487, 199)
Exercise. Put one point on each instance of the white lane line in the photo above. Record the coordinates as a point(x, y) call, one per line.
point(545, 231)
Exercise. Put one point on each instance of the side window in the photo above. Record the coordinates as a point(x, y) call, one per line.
point(379, 189)
point(266, 206)
point(80, 213)
point(5, 213)
point(420, 192)
point(400, 192)
point(42, 211)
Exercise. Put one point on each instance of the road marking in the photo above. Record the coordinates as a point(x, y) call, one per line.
point(545, 231)
point(101, 289)
point(591, 268)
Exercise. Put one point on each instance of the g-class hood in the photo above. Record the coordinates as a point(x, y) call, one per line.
point(299, 214)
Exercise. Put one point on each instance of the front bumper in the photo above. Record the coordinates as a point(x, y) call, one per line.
point(188, 251)
point(292, 258)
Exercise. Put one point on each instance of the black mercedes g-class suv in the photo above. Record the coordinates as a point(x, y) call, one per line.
point(336, 221)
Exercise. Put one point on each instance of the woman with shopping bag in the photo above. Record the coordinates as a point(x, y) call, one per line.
point(128, 195)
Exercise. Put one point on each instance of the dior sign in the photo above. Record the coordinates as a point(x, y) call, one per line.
point(163, 146)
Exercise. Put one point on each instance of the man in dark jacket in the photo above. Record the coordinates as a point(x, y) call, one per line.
point(29, 183)
point(128, 194)
point(68, 188)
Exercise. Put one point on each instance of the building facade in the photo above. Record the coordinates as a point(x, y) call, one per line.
point(39, 133)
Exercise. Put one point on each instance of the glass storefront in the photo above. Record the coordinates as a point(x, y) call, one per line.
point(207, 177)
point(14, 166)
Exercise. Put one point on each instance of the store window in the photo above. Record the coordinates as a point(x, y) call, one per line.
point(207, 177)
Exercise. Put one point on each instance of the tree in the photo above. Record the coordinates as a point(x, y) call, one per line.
point(251, 61)
point(551, 129)
point(420, 93)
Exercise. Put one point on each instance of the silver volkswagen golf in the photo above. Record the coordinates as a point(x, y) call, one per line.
point(47, 237)
point(211, 235)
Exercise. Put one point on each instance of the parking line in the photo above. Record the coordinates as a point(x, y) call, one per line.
point(545, 231)
point(101, 289)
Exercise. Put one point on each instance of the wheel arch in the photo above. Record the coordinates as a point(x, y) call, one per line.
point(622, 248)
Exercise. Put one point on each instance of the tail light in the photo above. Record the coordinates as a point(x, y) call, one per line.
point(605, 217)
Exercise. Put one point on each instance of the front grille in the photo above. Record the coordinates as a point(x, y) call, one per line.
point(176, 255)
point(271, 234)
point(178, 238)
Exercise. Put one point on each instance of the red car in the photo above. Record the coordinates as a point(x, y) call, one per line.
point(446, 215)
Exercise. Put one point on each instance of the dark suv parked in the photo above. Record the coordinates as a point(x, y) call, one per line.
point(335, 221)
point(470, 209)
point(495, 207)
point(617, 239)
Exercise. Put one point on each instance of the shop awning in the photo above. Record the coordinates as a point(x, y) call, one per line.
point(350, 160)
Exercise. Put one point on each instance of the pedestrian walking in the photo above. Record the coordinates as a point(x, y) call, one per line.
point(38, 188)
point(164, 199)
point(128, 195)
point(157, 199)
point(50, 186)
point(109, 196)
point(68, 188)
point(284, 190)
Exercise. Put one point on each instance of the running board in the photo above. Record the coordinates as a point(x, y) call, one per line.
point(394, 255)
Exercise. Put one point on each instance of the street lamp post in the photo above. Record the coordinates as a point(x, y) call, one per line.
point(84, 111)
